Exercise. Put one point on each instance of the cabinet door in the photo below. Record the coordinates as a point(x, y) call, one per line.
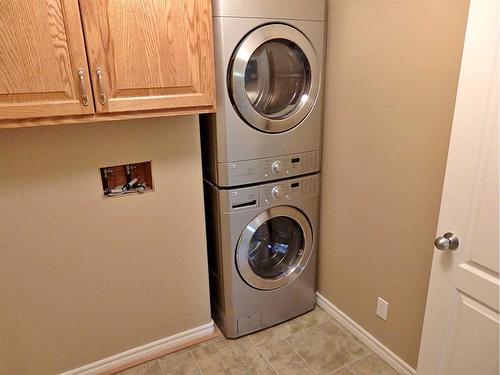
point(43, 65)
point(150, 54)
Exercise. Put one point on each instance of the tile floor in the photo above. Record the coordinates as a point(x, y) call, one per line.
point(313, 343)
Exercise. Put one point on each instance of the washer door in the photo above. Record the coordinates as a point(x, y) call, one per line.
point(274, 78)
point(274, 248)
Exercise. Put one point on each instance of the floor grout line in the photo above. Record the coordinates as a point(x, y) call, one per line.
point(208, 343)
point(265, 359)
point(283, 337)
point(353, 362)
point(269, 340)
point(300, 322)
point(341, 368)
point(195, 361)
point(306, 328)
point(339, 325)
point(293, 349)
point(161, 366)
point(349, 336)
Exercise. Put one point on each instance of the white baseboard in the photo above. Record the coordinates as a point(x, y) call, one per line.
point(378, 348)
point(145, 352)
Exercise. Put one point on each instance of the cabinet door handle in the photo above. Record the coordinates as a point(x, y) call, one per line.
point(85, 97)
point(100, 83)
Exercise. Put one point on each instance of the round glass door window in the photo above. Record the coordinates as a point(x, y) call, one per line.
point(274, 78)
point(274, 248)
point(277, 77)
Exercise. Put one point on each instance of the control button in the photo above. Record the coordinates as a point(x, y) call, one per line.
point(266, 202)
point(287, 196)
point(276, 166)
point(287, 171)
point(266, 175)
point(276, 192)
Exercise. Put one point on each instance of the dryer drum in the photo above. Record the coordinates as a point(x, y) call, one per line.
point(274, 78)
point(274, 248)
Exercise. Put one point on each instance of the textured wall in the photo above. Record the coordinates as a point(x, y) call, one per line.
point(82, 278)
point(392, 73)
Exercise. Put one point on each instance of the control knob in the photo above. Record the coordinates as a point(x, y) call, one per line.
point(276, 192)
point(276, 166)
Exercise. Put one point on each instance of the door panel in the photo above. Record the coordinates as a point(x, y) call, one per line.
point(484, 234)
point(41, 52)
point(154, 54)
point(475, 327)
point(461, 325)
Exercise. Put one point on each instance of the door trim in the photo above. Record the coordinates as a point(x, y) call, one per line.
point(242, 264)
point(236, 78)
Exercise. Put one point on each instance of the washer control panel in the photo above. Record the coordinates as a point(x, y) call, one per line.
point(288, 190)
point(267, 195)
point(269, 169)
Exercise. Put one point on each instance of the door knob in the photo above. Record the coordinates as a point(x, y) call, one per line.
point(447, 242)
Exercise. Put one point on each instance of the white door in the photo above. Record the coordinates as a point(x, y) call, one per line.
point(461, 325)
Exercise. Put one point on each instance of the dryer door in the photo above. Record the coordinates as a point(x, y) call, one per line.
point(274, 248)
point(274, 78)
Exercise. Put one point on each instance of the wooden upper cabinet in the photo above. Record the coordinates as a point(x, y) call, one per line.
point(43, 64)
point(150, 54)
point(61, 61)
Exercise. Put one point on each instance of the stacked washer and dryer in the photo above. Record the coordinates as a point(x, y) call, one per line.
point(262, 157)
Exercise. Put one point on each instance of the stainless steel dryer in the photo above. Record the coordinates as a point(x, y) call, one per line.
point(269, 74)
point(262, 252)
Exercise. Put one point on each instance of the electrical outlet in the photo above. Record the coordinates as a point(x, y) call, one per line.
point(382, 308)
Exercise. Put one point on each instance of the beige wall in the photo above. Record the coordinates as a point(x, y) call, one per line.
point(82, 278)
point(391, 83)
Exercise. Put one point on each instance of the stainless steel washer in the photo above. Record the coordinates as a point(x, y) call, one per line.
point(262, 252)
point(269, 75)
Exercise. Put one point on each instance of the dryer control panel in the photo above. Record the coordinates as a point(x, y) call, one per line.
point(268, 195)
point(268, 169)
